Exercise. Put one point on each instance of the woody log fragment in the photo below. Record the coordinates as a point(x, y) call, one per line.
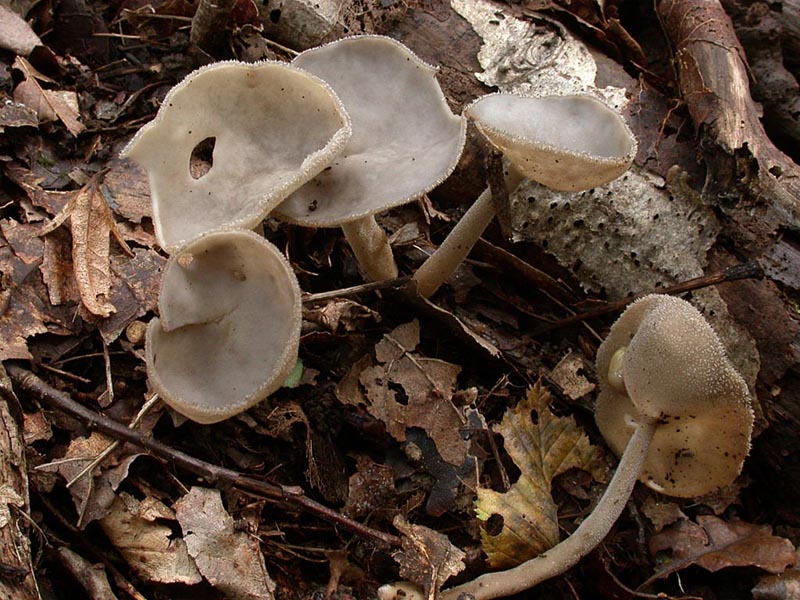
point(748, 177)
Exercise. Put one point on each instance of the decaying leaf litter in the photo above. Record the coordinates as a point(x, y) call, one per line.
point(403, 411)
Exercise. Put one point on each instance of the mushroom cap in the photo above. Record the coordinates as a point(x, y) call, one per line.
point(275, 127)
point(405, 140)
point(229, 327)
point(675, 371)
point(567, 143)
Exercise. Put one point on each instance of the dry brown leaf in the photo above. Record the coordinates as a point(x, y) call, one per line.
point(15, 33)
point(371, 487)
point(15, 114)
point(24, 311)
point(91, 223)
point(230, 560)
point(135, 282)
point(49, 105)
point(93, 493)
point(542, 446)
point(342, 316)
point(428, 385)
point(785, 586)
point(128, 190)
point(567, 375)
point(427, 558)
point(148, 547)
point(715, 544)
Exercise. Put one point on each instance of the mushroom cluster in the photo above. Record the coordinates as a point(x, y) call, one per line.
point(354, 128)
point(322, 142)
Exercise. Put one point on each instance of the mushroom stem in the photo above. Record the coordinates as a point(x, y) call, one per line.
point(586, 537)
point(455, 247)
point(371, 247)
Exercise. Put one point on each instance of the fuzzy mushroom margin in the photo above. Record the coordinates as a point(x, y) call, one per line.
point(568, 143)
point(674, 407)
point(405, 142)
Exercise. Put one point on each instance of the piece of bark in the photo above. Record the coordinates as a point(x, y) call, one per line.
point(791, 35)
point(760, 29)
point(210, 24)
point(16, 575)
point(752, 181)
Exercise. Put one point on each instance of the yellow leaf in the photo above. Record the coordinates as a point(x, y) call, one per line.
point(542, 446)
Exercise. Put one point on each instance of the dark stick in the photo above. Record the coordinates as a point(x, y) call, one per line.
point(748, 270)
point(26, 381)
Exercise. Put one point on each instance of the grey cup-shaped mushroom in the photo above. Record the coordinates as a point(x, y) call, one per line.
point(568, 143)
point(273, 126)
point(405, 142)
point(675, 409)
point(229, 328)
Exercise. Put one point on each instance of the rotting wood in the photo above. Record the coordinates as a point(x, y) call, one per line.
point(748, 177)
point(16, 569)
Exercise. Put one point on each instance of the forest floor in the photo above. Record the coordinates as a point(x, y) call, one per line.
point(364, 470)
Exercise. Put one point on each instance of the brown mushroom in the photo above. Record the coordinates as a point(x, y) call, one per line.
point(405, 142)
point(676, 410)
point(229, 327)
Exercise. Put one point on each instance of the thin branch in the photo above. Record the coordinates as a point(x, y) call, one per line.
point(747, 270)
point(394, 284)
point(26, 381)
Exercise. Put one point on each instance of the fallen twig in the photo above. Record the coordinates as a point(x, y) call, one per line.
point(26, 381)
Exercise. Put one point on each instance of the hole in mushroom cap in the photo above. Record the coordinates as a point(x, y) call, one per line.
point(494, 524)
point(202, 158)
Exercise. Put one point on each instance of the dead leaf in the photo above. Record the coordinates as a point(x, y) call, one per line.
point(93, 494)
point(406, 389)
point(15, 33)
point(15, 114)
point(567, 375)
point(342, 316)
point(371, 487)
point(230, 560)
point(128, 191)
point(135, 282)
point(91, 223)
point(50, 105)
point(427, 557)
point(715, 544)
point(660, 513)
point(23, 312)
point(542, 446)
point(150, 548)
point(785, 586)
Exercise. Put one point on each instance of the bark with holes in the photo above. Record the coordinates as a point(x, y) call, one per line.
point(16, 570)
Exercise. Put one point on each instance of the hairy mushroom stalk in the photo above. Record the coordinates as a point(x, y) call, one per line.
point(676, 410)
point(405, 142)
point(273, 127)
point(229, 328)
point(568, 143)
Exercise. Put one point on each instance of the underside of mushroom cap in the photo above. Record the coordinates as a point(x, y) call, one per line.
point(229, 328)
point(274, 127)
point(675, 371)
point(567, 143)
point(405, 138)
